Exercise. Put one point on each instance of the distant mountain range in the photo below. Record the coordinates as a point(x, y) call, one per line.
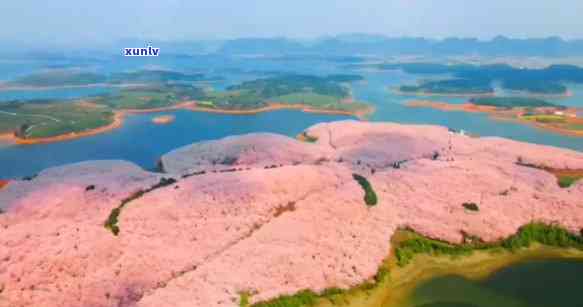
point(365, 44)
point(338, 46)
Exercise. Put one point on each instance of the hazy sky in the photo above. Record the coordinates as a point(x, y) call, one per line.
point(78, 21)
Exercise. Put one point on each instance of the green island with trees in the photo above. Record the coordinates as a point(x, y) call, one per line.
point(514, 102)
point(329, 93)
point(36, 119)
point(527, 110)
point(450, 87)
point(32, 119)
point(478, 79)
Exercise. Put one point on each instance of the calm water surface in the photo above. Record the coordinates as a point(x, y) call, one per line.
point(143, 143)
point(540, 283)
point(390, 107)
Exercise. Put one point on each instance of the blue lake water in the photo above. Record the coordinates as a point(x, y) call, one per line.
point(143, 143)
point(576, 100)
point(391, 107)
point(536, 283)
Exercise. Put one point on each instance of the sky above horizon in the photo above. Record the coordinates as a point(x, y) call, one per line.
point(75, 22)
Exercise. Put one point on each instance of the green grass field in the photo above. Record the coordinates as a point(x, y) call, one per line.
point(545, 118)
point(140, 100)
point(47, 120)
point(234, 99)
point(513, 102)
point(8, 123)
point(312, 99)
point(208, 104)
point(319, 101)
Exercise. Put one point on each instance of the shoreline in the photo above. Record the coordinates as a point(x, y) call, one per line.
point(554, 129)
point(7, 137)
point(395, 280)
point(119, 117)
point(511, 115)
point(565, 95)
point(396, 291)
point(276, 106)
point(3, 183)
point(396, 91)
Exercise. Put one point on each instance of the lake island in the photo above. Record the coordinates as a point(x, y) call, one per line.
point(40, 121)
point(480, 80)
point(527, 110)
